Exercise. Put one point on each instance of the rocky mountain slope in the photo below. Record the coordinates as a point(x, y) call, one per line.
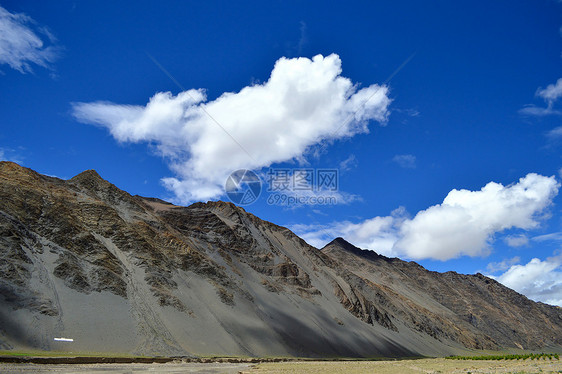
point(82, 259)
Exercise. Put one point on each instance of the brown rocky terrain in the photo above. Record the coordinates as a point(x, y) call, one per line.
point(82, 259)
point(467, 305)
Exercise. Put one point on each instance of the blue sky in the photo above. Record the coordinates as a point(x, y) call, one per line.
point(417, 105)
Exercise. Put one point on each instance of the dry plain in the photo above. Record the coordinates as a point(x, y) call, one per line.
point(428, 366)
point(434, 365)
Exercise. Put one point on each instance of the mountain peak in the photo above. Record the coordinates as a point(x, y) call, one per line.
point(93, 184)
point(88, 174)
point(343, 244)
point(216, 204)
point(91, 180)
point(339, 244)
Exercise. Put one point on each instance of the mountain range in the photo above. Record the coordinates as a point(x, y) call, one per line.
point(84, 260)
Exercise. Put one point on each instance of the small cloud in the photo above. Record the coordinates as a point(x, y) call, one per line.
point(552, 92)
point(550, 95)
point(409, 112)
point(494, 267)
point(555, 236)
point(295, 47)
point(533, 110)
point(555, 134)
point(349, 163)
point(8, 154)
point(23, 43)
point(405, 161)
point(319, 212)
point(516, 240)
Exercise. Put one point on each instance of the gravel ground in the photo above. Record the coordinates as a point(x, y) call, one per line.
point(427, 366)
point(170, 368)
point(411, 366)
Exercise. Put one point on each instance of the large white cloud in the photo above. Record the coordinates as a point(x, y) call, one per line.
point(23, 44)
point(464, 224)
point(304, 102)
point(466, 220)
point(538, 280)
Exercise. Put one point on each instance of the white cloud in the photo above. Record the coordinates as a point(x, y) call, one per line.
point(405, 161)
point(308, 193)
point(533, 110)
point(464, 224)
point(550, 95)
point(316, 235)
point(516, 240)
point(555, 236)
point(555, 133)
point(348, 164)
point(9, 154)
point(22, 43)
point(304, 102)
point(552, 92)
point(378, 234)
point(538, 280)
point(412, 112)
point(494, 267)
point(467, 220)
